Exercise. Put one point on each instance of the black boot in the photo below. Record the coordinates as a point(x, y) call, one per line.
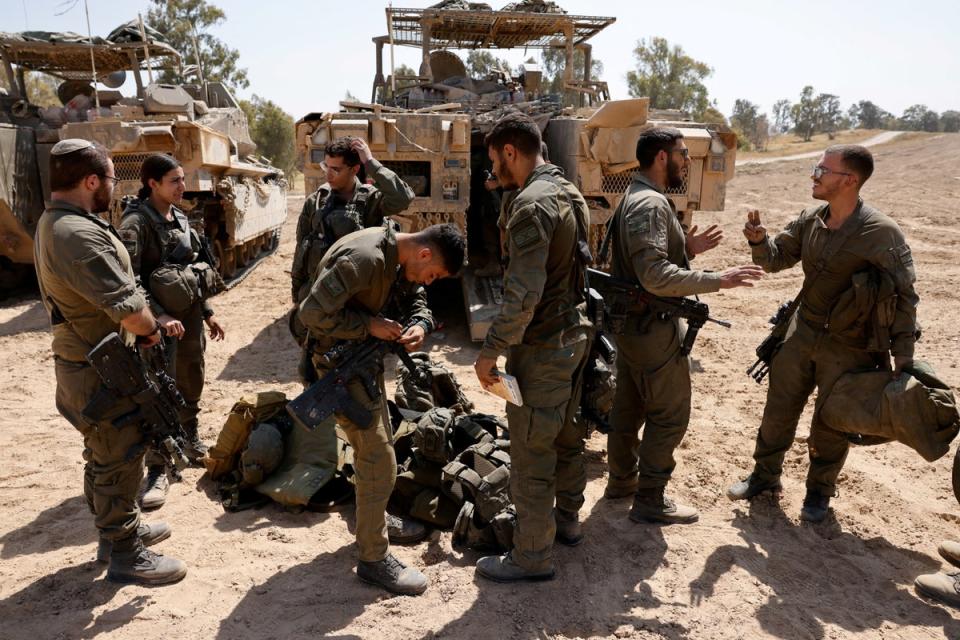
point(393, 575)
point(569, 529)
point(815, 506)
point(135, 564)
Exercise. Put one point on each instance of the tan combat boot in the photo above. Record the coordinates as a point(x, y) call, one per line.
point(393, 575)
point(149, 534)
point(155, 488)
point(943, 587)
point(139, 565)
point(650, 505)
point(504, 569)
point(950, 551)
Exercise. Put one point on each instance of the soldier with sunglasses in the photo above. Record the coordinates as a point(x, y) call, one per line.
point(846, 247)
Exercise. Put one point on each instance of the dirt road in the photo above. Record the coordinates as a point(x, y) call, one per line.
point(741, 572)
point(880, 138)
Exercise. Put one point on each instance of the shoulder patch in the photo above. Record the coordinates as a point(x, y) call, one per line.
point(130, 238)
point(527, 234)
point(333, 284)
point(640, 222)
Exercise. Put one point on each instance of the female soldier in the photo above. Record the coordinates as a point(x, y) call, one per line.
point(163, 250)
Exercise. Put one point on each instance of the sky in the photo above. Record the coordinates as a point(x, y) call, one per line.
point(305, 55)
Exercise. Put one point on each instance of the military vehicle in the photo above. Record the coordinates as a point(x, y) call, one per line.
point(236, 199)
point(429, 128)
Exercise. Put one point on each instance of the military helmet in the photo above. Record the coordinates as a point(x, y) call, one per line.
point(263, 454)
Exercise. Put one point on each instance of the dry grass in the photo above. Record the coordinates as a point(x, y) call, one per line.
point(791, 143)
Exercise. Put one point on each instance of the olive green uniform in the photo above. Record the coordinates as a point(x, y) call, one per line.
point(813, 355)
point(543, 329)
point(150, 240)
point(87, 286)
point(358, 279)
point(653, 377)
point(325, 218)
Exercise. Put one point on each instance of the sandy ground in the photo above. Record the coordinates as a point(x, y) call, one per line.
point(741, 572)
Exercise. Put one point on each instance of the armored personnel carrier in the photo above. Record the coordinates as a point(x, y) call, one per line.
point(236, 199)
point(429, 128)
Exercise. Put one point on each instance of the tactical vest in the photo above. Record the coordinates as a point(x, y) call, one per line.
point(433, 386)
point(328, 224)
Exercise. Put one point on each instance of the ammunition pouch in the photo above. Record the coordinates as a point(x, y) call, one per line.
point(481, 474)
point(473, 429)
point(175, 288)
point(208, 280)
point(431, 385)
point(430, 438)
point(469, 531)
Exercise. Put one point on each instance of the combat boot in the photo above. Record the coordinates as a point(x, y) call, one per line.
point(504, 569)
point(950, 551)
point(650, 505)
point(403, 531)
point(569, 529)
point(754, 486)
point(943, 587)
point(193, 447)
point(140, 565)
point(815, 507)
point(393, 575)
point(149, 534)
point(155, 488)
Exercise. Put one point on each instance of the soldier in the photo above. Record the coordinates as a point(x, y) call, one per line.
point(365, 285)
point(88, 288)
point(342, 205)
point(157, 235)
point(835, 242)
point(943, 585)
point(651, 249)
point(543, 329)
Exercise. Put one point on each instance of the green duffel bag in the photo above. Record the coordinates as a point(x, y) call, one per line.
point(917, 409)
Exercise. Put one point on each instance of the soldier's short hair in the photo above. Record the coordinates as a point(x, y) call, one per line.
point(517, 129)
point(654, 140)
point(67, 170)
point(854, 157)
point(340, 148)
point(447, 242)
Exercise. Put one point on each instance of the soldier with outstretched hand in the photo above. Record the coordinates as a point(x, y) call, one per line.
point(653, 392)
point(850, 252)
point(88, 288)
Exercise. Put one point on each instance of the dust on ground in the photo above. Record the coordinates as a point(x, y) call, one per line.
point(742, 571)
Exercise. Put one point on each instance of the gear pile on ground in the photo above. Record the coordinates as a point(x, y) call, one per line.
point(453, 465)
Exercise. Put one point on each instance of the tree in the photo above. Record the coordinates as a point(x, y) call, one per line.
point(744, 122)
point(950, 121)
point(806, 114)
point(179, 21)
point(761, 132)
point(920, 118)
point(481, 63)
point(41, 88)
point(669, 77)
point(554, 62)
point(271, 128)
point(829, 114)
point(782, 118)
point(866, 115)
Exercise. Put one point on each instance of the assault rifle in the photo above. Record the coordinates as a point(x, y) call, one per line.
point(329, 394)
point(772, 343)
point(623, 299)
point(140, 378)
